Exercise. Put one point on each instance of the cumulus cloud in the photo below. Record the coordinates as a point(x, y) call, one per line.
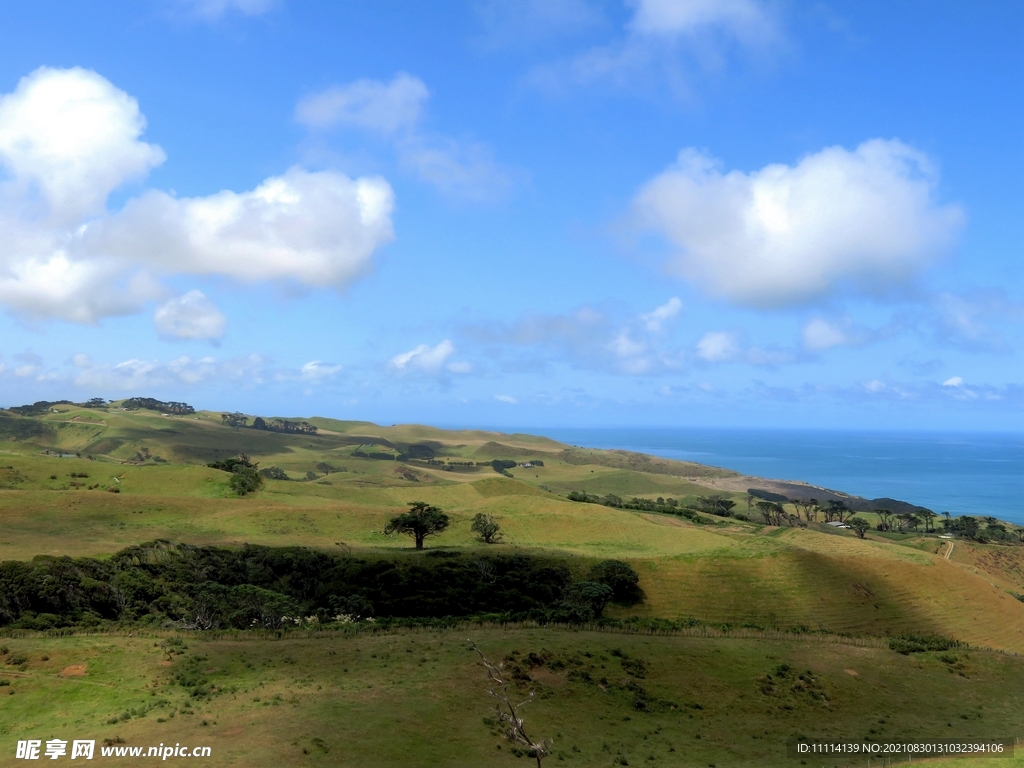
point(68, 138)
point(784, 235)
point(318, 229)
point(424, 358)
point(81, 290)
point(192, 316)
point(456, 167)
point(506, 399)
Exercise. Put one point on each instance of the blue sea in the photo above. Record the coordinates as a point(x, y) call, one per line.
point(965, 474)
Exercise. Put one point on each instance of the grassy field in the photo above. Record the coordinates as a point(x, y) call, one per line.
point(728, 571)
point(604, 699)
point(417, 698)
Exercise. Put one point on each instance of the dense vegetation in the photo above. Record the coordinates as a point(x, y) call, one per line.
point(211, 587)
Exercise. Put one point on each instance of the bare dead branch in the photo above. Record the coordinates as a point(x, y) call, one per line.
point(507, 712)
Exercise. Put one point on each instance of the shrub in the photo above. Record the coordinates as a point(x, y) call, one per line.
point(910, 643)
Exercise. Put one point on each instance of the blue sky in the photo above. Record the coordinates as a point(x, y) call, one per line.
point(529, 213)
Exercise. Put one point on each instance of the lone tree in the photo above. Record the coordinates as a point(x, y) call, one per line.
point(508, 713)
point(420, 521)
point(486, 527)
point(859, 524)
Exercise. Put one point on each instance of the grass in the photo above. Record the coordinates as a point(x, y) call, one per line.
point(650, 700)
point(730, 571)
point(417, 698)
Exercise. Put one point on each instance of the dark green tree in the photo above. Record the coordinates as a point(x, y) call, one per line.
point(590, 596)
point(715, 505)
point(623, 580)
point(234, 419)
point(245, 480)
point(245, 476)
point(420, 521)
point(859, 524)
point(969, 526)
point(486, 527)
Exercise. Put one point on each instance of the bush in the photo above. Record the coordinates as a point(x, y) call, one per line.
point(910, 643)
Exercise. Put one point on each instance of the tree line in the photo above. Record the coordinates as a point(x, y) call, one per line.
point(284, 426)
point(192, 587)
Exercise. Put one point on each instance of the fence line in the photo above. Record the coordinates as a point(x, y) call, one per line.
point(697, 631)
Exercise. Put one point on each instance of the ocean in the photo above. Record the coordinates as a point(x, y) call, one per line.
point(962, 473)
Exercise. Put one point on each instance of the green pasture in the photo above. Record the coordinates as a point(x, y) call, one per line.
point(419, 697)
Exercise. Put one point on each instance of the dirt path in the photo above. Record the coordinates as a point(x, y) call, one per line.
point(950, 550)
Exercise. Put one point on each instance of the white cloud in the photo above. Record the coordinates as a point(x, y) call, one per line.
point(457, 168)
point(666, 40)
point(460, 366)
point(71, 138)
point(960, 391)
point(875, 386)
point(506, 399)
point(654, 320)
point(134, 374)
point(423, 358)
point(788, 234)
point(819, 335)
point(317, 370)
point(515, 23)
point(54, 285)
point(717, 346)
point(81, 361)
point(315, 228)
point(591, 339)
point(68, 138)
point(747, 20)
point(215, 9)
point(192, 316)
point(368, 104)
